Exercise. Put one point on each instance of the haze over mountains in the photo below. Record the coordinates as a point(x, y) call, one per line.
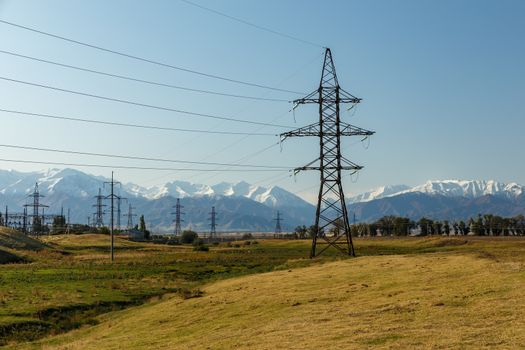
point(242, 206)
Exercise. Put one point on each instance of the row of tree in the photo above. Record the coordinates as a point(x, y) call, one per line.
point(483, 225)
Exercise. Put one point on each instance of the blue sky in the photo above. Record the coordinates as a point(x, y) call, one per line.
point(442, 82)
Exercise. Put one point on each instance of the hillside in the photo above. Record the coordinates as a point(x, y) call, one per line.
point(16, 240)
point(12, 243)
point(468, 298)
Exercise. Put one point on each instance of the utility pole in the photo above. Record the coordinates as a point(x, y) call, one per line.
point(278, 219)
point(178, 219)
point(331, 214)
point(130, 216)
point(112, 198)
point(68, 218)
point(213, 224)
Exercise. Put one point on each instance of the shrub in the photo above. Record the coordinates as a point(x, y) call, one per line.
point(198, 242)
point(201, 248)
point(255, 242)
point(247, 242)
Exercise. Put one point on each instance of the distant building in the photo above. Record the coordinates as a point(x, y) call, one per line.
point(134, 235)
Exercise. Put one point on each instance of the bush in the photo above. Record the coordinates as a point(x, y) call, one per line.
point(188, 236)
point(198, 242)
point(247, 242)
point(255, 242)
point(201, 248)
point(215, 244)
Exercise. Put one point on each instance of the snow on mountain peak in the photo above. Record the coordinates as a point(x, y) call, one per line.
point(448, 188)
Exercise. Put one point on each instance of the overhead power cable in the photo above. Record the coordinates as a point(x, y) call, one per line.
point(130, 167)
point(153, 127)
point(140, 158)
point(145, 105)
point(147, 60)
point(284, 35)
point(141, 80)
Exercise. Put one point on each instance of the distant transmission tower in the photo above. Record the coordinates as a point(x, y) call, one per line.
point(119, 212)
point(213, 224)
point(98, 215)
point(36, 220)
point(130, 216)
point(278, 220)
point(178, 220)
point(331, 214)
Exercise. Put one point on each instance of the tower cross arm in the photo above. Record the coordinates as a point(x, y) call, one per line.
point(344, 165)
point(352, 130)
point(309, 130)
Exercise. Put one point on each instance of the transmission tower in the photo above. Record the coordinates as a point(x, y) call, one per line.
point(130, 216)
point(112, 196)
point(178, 220)
point(98, 215)
point(119, 212)
point(213, 223)
point(331, 214)
point(278, 220)
point(36, 219)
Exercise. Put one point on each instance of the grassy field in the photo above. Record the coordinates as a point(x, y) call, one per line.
point(399, 293)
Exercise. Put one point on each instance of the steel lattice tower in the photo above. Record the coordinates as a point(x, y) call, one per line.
point(119, 211)
point(37, 221)
point(331, 218)
point(278, 219)
point(98, 219)
point(213, 223)
point(178, 220)
point(130, 216)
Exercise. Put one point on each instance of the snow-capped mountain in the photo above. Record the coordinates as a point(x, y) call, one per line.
point(272, 196)
point(380, 192)
point(447, 188)
point(251, 207)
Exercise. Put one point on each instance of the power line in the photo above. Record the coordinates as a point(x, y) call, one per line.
point(142, 80)
point(140, 158)
point(145, 105)
point(153, 127)
point(142, 59)
point(284, 35)
point(130, 167)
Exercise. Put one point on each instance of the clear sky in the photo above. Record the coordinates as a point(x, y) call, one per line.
point(442, 82)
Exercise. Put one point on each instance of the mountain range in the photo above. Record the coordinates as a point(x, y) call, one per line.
point(241, 206)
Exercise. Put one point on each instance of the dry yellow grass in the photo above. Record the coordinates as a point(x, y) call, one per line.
point(454, 300)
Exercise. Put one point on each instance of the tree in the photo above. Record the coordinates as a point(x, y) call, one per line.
point(142, 227)
point(401, 226)
point(142, 224)
point(301, 231)
point(59, 223)
point(312, 231)
point(188, 236)
point(446, 227)
point(425, 226)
